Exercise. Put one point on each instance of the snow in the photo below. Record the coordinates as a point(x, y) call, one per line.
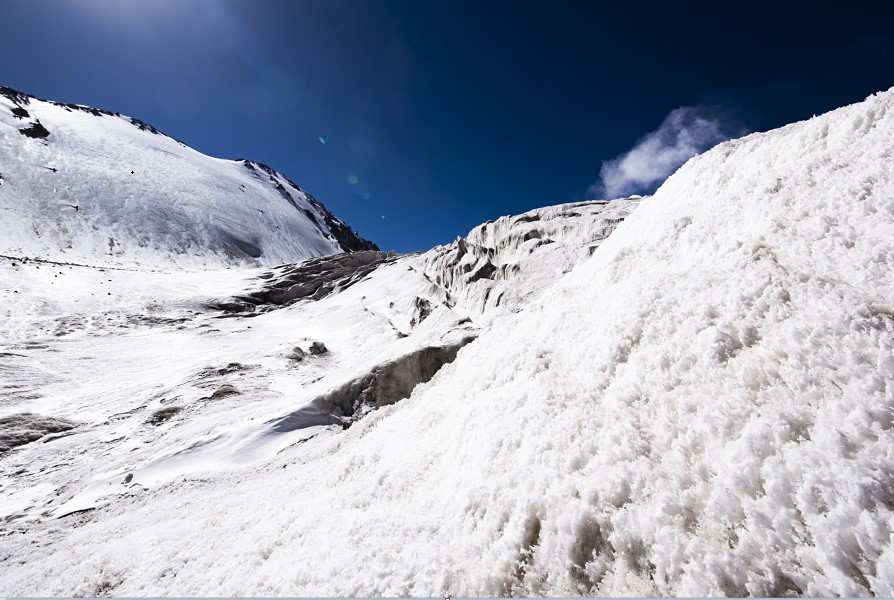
point(101, 189)
point(703, 406)
point(114, 360)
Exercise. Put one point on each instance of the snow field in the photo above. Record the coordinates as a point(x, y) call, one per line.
point(704, 408)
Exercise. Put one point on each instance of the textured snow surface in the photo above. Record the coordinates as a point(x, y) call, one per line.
point(163, 381)
point(106, 189)
point(704, 407)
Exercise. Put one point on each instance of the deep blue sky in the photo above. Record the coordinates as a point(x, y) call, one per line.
point(440, 115)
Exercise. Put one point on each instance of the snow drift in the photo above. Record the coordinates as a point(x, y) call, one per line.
point(705, 407)
point(79, 184)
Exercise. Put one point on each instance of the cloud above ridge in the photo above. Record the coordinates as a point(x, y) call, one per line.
point(684, 133)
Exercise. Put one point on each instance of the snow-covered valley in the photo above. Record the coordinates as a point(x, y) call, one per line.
point(685, 394)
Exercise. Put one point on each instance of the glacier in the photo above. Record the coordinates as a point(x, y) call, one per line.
point(686, 394)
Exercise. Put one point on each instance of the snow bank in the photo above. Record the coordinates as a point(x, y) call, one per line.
point(704, 408)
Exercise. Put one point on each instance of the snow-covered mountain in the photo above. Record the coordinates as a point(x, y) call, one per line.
point(83, 185)
point(687, 394)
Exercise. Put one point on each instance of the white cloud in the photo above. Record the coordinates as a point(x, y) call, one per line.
point(685, 132)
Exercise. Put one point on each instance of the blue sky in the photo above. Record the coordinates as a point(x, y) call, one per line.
point(439, 115)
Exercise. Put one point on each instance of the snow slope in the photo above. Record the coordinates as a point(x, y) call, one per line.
point(125, 343)
point(137, 379)
point(704, 407)
point(82, 185)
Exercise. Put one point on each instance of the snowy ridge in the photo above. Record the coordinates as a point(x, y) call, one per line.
point(705, 406)
point(88, 186)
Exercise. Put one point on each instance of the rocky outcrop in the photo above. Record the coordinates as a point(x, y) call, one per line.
point(332, 227)
point(318, 349)
point(314, 279)
point(23, 428)
point(390, 382)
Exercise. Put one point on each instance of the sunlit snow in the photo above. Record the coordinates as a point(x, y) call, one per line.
point(687, 394)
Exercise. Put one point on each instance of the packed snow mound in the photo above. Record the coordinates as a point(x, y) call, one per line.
point(83, 185)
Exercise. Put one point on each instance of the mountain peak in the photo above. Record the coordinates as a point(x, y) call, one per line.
point(87, 185)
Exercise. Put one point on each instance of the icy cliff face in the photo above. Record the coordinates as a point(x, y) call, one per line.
point(702, 406)
point(506, 262)
point(85, 185)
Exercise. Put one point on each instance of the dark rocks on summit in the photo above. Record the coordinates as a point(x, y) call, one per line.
point(16, 96)
point(346, 237)
point(143, 126)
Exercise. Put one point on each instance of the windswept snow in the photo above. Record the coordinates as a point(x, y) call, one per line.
point(173, 374)
point(101, 188)
point(704, 407)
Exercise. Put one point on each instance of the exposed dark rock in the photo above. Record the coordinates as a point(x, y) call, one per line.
point(254, 167)
point(421, 310)
point(391, 381)
point(313, 279)
point(232, 368)
point(344, 236)
point(20, 113)
point(485, 271)
point(163, 414)
point(96, 112)
point(23, 428)
point(224, 391)
point(297, 354)
point(21, 98)
point(313, 219)
point(14, 95)
point(232, 305)
point(347, 238)
point(35, 131)
point(462, 248)
point(385, 384)
point(143, 126)
point(318, 348)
